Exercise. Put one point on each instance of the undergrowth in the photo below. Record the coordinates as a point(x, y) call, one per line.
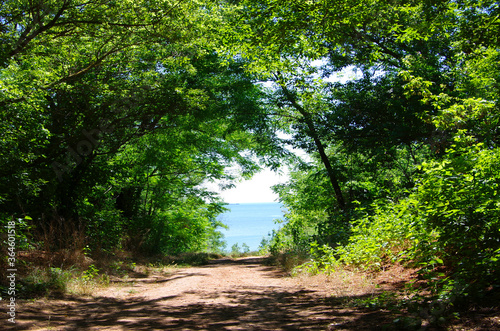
point(42, 274)
point(50, 281)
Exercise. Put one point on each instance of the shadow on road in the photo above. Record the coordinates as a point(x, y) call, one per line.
point(267, 310)
point(258, 308)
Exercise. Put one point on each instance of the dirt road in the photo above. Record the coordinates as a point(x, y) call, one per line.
point(241, 294)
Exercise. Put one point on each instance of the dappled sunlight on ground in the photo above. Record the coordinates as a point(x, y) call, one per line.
point(226, 294)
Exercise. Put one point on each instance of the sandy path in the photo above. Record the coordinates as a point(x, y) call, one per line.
point(240, 294)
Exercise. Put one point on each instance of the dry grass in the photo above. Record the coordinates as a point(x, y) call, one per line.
point(63, 259)
point(82, 286)
point(341, 283)
point(288, 261)
point(388, 290)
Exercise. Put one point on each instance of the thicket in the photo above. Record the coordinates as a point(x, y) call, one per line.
point(114, 116)
point(404, 151)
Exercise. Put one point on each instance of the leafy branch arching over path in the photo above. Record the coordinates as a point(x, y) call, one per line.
point(227, 294)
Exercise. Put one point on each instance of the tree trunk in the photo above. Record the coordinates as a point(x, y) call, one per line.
point(319, 146)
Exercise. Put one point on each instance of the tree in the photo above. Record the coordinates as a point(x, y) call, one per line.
point(426, 98)
point(85, 84)
point(310, 129)
point(284, 42)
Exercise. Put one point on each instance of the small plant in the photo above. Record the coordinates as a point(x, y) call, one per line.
point(322, 260)
point(41, 282)
point(235, 249)
point(87, 250)
point(385, 300)
point(90, 273)
point(264, 246)
point(245, 248)
point(116, 267)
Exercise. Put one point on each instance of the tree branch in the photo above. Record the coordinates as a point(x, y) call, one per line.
point(25, 37)
point(317, 141)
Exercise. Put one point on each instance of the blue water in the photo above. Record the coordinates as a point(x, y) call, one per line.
point(249, 223)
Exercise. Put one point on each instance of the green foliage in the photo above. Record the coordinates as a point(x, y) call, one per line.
point(186, 230)
point(245, 248)
point(368, 177)
point(322, 259)
point(459, 198)
point(410, 143)
point(20, 229)
point(90, 273)
point(44, 281)
point(390, 235)
point(383, 300)
point(450, 220)
point(235, 249)
point(294, 235)
point(114, 115)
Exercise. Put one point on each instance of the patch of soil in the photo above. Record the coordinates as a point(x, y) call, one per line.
point(226, 294)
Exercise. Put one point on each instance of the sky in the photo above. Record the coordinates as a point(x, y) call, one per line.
point(257, 189)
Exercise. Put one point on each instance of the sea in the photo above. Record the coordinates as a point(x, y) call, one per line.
point(249, 223)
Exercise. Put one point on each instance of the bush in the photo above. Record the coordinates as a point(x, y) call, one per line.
point(44, 281)
point(449, 226)
point(392, 234)
point(459, 197)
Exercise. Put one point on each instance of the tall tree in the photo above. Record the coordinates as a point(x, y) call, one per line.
point(84, 81)
point(421, 84)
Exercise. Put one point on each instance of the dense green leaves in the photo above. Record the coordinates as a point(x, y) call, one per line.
point(410, 140)
point(460, 198)
point(114, 115)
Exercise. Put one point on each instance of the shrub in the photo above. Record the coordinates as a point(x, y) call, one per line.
point(459, 197)
point(392, 234)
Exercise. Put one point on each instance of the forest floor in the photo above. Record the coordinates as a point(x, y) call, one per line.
point(226, 294)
